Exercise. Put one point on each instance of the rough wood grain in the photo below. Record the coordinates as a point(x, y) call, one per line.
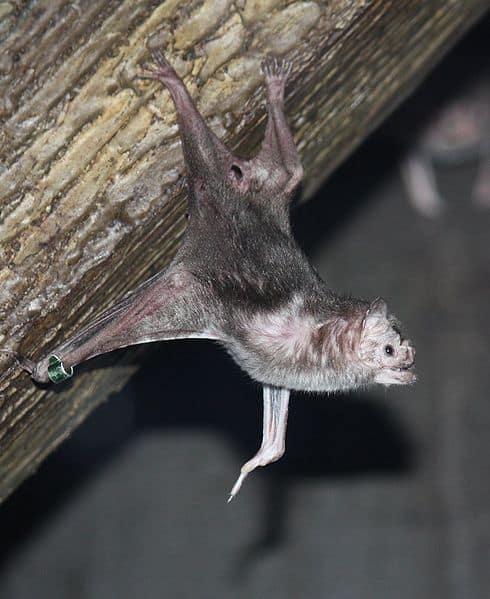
point(91, 193)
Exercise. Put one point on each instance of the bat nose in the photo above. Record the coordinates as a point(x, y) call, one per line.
point(410, 355)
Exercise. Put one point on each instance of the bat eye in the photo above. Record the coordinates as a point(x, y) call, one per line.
point(389, 351)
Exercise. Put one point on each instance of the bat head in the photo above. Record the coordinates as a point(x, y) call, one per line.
point(382, 349)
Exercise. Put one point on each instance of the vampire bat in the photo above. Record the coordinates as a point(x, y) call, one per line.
point(240, 278)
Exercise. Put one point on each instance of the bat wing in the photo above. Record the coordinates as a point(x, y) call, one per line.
point(171, 305)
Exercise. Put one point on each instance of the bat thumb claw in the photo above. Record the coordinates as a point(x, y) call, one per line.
point(23, 363)
point(237, 486)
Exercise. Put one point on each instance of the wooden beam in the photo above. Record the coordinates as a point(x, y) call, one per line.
point(92, 199)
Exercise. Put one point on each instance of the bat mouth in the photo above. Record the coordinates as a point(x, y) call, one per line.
point(403, 373)
point(397, 375)
point(408, 366)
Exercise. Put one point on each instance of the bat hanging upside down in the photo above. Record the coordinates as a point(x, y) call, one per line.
point(240, 278)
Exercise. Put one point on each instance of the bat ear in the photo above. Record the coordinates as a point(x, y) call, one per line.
point(377, 309)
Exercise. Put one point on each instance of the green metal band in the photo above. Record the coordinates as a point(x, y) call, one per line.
point(56, 370)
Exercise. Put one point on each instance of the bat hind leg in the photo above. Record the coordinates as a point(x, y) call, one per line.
point(278, 151)
point(205, 155)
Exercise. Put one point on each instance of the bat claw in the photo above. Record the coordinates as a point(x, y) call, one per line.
point(276, 70)
point(21, 362)
point(159, 57)
point(147, 72)
point(161, 70)
point(275, 67)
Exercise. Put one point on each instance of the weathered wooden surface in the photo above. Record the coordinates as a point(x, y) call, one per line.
point(91, 194)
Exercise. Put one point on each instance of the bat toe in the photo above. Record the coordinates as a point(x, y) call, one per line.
point(275, 67)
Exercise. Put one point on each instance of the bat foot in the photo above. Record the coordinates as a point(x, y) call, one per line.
point(159, 70)
point(276, 71)
point(275, 67)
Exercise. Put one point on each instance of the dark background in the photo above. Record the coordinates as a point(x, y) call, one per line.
point(381, 494)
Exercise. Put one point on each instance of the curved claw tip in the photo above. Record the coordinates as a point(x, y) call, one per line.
point(24, 363)
point(276, 67)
